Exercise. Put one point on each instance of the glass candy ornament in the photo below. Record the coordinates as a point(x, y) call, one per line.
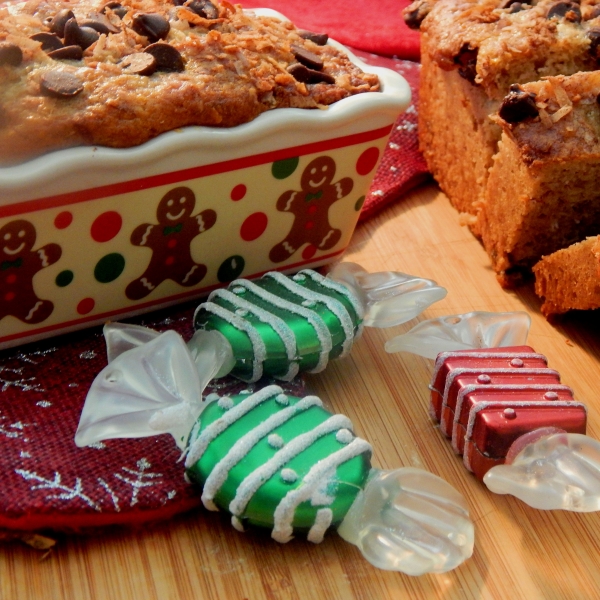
point(278, 461)
point(518, 428)
point(557, 470)
point(279, 325)
point(462, 332)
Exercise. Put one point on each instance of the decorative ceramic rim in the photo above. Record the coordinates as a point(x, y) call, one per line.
point(393, 98)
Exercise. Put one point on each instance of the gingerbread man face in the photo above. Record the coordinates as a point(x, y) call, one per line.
point(319, 172)
point(176, 205)
point(16, 239)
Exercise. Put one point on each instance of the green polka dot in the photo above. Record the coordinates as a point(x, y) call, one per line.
point(284, 168)
point(109, 267)
point(64, 278)
point(231, 268)
point(359, 203)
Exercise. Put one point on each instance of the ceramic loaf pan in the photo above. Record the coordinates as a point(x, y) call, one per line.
point(90, 234)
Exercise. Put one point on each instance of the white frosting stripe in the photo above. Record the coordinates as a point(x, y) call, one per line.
point(336, 286)
point(333, 305)
point(254, 480)
point(199, 445)
point(258, 345)
point(240, 449)
point(508, 401)
point(312, 485)
point(316, 322)
point(321, 525)
point(281, 328)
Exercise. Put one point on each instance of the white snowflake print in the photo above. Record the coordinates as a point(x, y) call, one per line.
point(65, 492)
point(14, 430)
point(137, 479)
point(14, 378)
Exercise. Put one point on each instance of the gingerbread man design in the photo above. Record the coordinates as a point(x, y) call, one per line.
point(19, 262)
point(170, 241)
point(310, 207)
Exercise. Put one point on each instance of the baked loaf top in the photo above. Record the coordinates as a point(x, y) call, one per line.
point(120, 73)
point(495, 43)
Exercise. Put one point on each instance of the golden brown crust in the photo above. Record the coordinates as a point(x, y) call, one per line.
point(236, 67)
point(511, 47)
point(570, 278)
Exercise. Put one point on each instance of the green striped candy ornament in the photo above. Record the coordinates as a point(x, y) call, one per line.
point(281, 325)
point(277, 461)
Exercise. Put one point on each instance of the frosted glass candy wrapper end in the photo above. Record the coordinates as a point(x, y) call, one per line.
point(559, 471)
point(462, 332)
point(390, 298)
point(411, 521)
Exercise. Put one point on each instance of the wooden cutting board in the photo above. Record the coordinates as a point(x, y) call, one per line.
point(519, 552)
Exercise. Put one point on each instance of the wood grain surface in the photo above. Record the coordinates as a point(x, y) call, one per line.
point(519, 552)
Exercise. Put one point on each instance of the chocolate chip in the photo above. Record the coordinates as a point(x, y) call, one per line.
point(67, 53)
point(594, 36)
point(49, 41)
point(10, 54)
point(140, 63)
point(151, 25)
point(59, 20)
point(320, 39)
point(79, 36)
point(508, 3)
point(567, 10)
point(415, 13)
point(467, 63)
point(100, 24)
point(60, 84)
point(518, 105)
point(167, 58)
point(117, 8)
point(203, 8)
point(307, 58)
point(514, 6)
point(518, 7)
point(305, 75)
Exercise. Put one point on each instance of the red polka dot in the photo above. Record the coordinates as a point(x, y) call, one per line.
point(312, 209)
point(172, 243)
point(254, 226)
point(63, 220)
point(367, 160)
point(11, 278)
point(169, 261)
point(309, 225)
point(9, 296)
point(309, 252)
point(86, 306)
point(238, 192)
point(106, 226)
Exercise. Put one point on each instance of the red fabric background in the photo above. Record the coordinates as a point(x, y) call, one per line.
point(50, 484)
point(374, 26)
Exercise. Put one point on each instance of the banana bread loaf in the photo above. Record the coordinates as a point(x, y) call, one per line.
point(509, 121)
